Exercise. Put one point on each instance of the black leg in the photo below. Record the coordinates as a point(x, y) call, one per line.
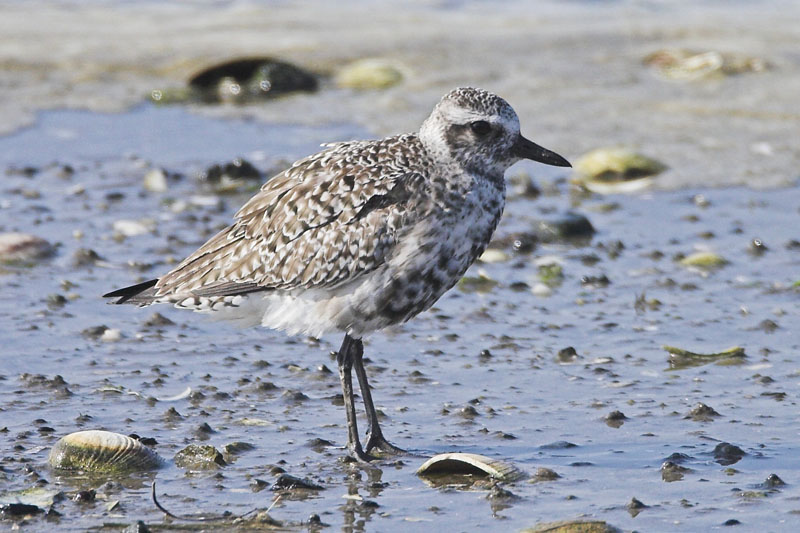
point(375, 438)
point(345, 361)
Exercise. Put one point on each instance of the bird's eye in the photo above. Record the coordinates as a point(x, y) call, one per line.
point(480, 127)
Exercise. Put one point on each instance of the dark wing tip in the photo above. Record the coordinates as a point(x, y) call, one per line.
point(127, 293)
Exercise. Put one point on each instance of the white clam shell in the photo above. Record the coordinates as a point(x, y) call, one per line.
point(470, 463)
point(102, 452)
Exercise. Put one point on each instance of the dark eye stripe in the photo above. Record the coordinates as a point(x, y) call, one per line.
point(480, 127)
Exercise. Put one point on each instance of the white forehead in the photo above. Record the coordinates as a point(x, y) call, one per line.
point(463, 106)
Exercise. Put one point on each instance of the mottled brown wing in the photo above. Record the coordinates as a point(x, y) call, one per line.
point(326, 220)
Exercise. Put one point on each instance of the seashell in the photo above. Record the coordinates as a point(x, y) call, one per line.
point(23, 249)
point(370, 73)
point(102, 452)
point(615, 171)
point(679, 358)
point(573, 526)
point(704, 260)
point(469, 464)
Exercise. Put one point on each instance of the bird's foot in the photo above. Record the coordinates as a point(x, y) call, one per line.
point(380, 444)
point(359, 455)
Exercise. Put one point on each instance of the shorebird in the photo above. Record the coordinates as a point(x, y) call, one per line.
point(359, 236)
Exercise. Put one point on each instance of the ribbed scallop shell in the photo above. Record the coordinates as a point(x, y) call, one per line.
point(469, 463)
point(102, 452)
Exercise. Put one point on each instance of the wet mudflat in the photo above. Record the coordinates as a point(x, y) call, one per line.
point(488, 371)
point(644, 374)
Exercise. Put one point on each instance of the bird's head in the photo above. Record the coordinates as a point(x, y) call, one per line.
point(480, 131)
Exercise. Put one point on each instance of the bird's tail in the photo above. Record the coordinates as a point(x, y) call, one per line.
point(139, 294)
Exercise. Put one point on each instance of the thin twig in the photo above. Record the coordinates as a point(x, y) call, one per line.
point(199, 518)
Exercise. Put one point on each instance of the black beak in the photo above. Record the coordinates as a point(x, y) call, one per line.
point(530, 150)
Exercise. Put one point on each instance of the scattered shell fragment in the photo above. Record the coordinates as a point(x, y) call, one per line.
point(105, 452)
point(23, 249)
point(155, 180)
point(689, 65)
point(481, 283)
point(551, 274)
point(492, 255)
point(180, 396)
point(679, 358)
point(111, 335)
point(573, 526)
point(469, 464)
point(371, 73)
point(704, 260)
point(615, 170)
point(40, 497)
point(132, 228)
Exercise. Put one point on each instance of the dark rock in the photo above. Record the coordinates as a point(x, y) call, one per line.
point(199, 457)
point(499, 493)
point(319, 445)
point(172, 415)
point(250, 79)
point(294, 396)
point(544, 474)
point(231, 176)
point(635, 507)
point(569, 227)
point(237, 447)
point(615, 419)
point(138, 527)
point(157, 320)
point(85, 257)
point(773, 481)
point(673, 472)
point(558, 445)
point(727, 454)
point(767, 325)
point(16, 510)
point(290, 482)
point(257, 485)
point(26, 171)
point(56, 301)
point(204, 431)
point(595, 281)
point(567, 355)
point(757, 247)
point(94, 332)
point(85, 496)
point(702, 413)
point(468, 412)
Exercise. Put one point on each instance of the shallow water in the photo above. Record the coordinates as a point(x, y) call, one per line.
point(573, 70)
point(738, 130)
point(424, 372)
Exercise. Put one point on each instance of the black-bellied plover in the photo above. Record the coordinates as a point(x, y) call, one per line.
point(360, 236)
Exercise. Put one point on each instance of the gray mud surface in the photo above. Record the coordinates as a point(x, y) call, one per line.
point(486, 371)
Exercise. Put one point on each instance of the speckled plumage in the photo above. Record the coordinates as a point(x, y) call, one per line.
point(359, 236)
